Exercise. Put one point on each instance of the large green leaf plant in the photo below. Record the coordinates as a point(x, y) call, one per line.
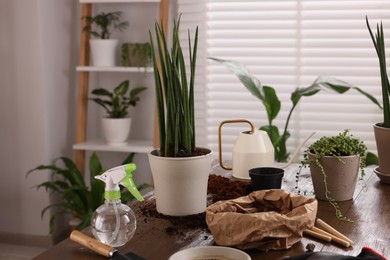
point(77, 198)
point(268, 97)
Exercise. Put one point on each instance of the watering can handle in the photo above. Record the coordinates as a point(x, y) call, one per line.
point(220, 138)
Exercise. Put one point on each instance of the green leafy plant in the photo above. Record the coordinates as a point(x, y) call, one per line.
point(175, 93)
point(268, 97)
point(116, 103)
point(379, 43)
point(140, 52)
point(104, 24)
point(76, 197)
point(343, 144)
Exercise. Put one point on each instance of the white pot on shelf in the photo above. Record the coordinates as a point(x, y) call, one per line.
point(104, 52)
point(116, 130)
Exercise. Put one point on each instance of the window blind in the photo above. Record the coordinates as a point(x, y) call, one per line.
point(287, 44)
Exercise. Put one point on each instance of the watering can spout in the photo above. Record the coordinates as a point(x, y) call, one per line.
point(294, 155)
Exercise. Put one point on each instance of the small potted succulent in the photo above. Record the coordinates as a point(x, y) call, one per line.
point(117, 124)
point(334, 163)
point(104, 48)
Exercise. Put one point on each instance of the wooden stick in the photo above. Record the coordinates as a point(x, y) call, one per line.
point(317, 235)
point(338, 240)
point(331, 230)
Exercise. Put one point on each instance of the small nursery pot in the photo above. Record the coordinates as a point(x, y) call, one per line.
point(264, 178)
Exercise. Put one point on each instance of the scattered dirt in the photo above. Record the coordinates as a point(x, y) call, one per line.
point(219, 188)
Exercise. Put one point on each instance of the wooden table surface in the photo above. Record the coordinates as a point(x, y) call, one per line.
point(369, 210)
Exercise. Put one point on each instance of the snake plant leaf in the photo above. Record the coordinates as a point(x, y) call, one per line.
point(243, 74)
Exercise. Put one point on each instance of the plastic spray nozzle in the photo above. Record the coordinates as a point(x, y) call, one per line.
point(122, 175)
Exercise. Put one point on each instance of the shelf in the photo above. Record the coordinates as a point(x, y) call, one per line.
point(114, 69)
point(119, 1)
point(136, 146)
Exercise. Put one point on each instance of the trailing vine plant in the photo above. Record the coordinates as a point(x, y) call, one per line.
point(343, 144)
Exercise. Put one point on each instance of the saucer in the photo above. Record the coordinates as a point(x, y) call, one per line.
point(210, 252)
point(385, 178)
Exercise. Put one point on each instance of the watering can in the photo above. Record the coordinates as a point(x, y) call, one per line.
point(252, 149)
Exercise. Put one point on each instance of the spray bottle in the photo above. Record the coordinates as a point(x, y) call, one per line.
point(114, 223)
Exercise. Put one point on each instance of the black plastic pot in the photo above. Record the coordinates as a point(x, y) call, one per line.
point(265, 178)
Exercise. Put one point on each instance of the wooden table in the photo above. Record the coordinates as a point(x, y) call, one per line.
point(370, 211)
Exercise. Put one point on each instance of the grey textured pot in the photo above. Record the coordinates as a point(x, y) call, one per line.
point(341, 177)
point(382, 138)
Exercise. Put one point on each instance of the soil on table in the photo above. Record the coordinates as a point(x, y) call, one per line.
point(219, 188)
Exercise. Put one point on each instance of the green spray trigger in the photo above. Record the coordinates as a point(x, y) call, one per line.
point(120, 175)
point(129, 183)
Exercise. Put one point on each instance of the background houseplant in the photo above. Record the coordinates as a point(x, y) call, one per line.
point(117, 124)
point(136, 54)
point(268, 97)
point(180, 169)
point(101, 26)
point(77, 198)
point(334, 163)
point(382, 130)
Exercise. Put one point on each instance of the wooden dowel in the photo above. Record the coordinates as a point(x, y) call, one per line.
point(331, 230)
point(338, 240)
point(317, 235)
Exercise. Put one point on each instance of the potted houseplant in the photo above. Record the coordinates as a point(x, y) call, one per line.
point(77, 198)
point(104, 48)
point(117, 124)
point(334, 163)
point(180, 169)
point(136, 54)
point(269, 98)
point(382, 129)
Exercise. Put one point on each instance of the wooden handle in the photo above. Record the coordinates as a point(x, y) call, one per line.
point(338, 240)
point(317, 235)
point(331, 230)
point(92, 243)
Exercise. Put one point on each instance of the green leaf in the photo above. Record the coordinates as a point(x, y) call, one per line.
point(371, 159)
point(122, 88)
point(271, 102)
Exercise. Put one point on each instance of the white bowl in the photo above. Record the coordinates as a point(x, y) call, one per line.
point(210, 253)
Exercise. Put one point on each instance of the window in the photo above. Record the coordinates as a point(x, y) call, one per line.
point(286, 44)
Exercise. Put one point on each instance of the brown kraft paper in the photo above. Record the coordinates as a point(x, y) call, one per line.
point(264, 220)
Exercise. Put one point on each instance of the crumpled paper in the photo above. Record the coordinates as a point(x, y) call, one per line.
point(263, 220)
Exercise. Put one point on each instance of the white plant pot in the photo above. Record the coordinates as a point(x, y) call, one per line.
point(180, 184)
point(116, 130)
point(104, 52)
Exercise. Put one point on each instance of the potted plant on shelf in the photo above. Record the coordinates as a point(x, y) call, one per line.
point(104, 48)
point(334, 163)
point(269, 98)
point(78, 199)
point(117, 124)
point(136, 54)
point(180, 169)
point(382, 129)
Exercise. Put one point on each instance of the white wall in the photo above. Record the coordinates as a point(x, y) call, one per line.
point(36, 107)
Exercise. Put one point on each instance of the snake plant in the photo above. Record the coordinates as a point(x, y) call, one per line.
point(379, 43)
point(174, 92)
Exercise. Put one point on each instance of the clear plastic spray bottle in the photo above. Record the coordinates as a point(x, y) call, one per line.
point(114, 223)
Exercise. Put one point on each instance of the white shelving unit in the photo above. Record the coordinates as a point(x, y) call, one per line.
point(82, 143)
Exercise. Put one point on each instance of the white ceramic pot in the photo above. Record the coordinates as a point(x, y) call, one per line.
point(341, 177)
point(104, 52)
point(116, 130)
point(180, 184)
